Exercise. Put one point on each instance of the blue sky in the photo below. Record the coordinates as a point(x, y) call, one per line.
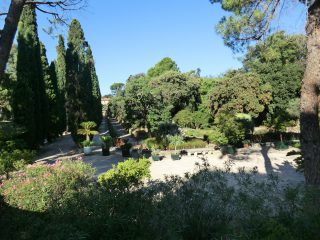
point(129, 37)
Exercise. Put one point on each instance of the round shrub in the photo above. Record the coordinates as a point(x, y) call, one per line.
point(217, 137)
point(231, 128)
point(126, 174)
point(42, 187)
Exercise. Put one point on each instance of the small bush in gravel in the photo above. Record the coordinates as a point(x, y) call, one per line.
point(126, 174)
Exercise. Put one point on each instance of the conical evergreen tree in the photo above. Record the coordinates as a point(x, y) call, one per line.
point(96, 105)
point(51, 95)
point(75, 63)
point(29, 98)
point(61, 78)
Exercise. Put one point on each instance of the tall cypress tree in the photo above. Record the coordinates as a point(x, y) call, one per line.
point(96, 94)
point(51, 96)
point(75, 63)
point(29, 98)
point(61, 82)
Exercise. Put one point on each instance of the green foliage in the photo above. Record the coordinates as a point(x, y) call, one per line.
point(5, 99)
point(217, 137)
point(138, 102)
point(40, 188)
point(117, 89)
point(117, 108)
point(126, 174)
point(184, 91)
point(233, 129)
point(51, 85)
point(106, 141)
point(153, 143)
point(184, 118)
point(61, 72)
point(188, 119)
point(175, 140)
point(240, 93)
point(82, 86)
point(248, 20)
point(165, 65)
point(87, 143)
point(87, 129)
point(15, 160)
point(112, 132)
point(293, 108)
point(29, 101)
point(190, 144)
point(280, 62)
point(94, 108)
point(203, 205)
point(195, 133)
point(164, 130)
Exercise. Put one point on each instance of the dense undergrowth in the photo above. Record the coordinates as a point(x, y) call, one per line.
point(63, 201)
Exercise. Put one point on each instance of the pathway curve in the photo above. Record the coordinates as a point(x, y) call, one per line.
point(64, 148)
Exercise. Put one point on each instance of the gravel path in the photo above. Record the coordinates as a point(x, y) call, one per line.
point(267, 160)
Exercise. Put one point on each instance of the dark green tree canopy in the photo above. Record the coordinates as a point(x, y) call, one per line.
point(241, 93)
point(280, 61)
point(176, 90)
point(165, 65)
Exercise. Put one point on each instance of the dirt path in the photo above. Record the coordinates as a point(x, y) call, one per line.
point(64, 147)
point(266, 160)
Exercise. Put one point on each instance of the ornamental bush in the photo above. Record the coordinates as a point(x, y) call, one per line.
point(231, 128)
point(40, 188)
point(217, 137)
point(126, 174)
point(14, 160)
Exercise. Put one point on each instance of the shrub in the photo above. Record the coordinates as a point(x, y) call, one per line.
point(106, 141)
point(216, 137)
point(165, 129)
point(184, 118)
point(193, 143)
point(15, 160)
point(231, 128)
point(195, 133)
point(42, 187)
point(153, 143)
point(112, 131)
point(176, 141)
point(208, 204)
point(126, 174)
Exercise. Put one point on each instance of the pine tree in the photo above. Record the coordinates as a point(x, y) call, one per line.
point(75, 65)
point(61, 81)
point(96, 94)
point(29, 98)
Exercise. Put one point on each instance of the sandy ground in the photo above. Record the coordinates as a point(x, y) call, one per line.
point(267, 159)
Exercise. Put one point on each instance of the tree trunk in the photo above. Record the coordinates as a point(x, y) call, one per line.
point(310, 131)
point(8, 32)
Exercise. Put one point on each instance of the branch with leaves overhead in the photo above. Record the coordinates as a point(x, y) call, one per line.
point(53, 8)
point(250, 20)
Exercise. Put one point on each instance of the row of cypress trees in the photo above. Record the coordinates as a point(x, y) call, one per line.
point(50, 99)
